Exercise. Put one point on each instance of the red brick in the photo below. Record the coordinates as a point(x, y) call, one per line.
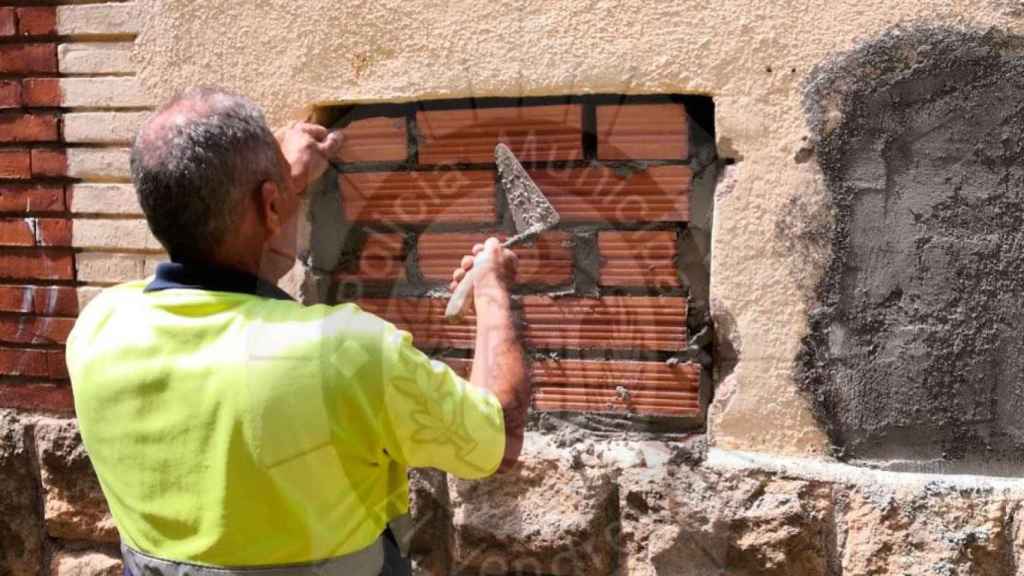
point(16, 197)
point(541, 133)
point(547, 261)
point(28, 128)
point(645, 258)
point(424, 318)
point(381, 258)
point(37, 397)
point(617, 386)
point(642, 132)
point(374, 140)
point(28, 58)
point(37, 264)
point(17, 232)
point(43, 300)
point(8, 23)
point(418, 197)
point(24, 362)
point(49, 162)
point(23, 329)
point(599, 194)
point(33, 363)
point(612, 322)
point(10, 94)
point(37, 20)
point(58, 364)
point(41, 92)
point(15, 164)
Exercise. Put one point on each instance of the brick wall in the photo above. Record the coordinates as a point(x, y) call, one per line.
point(602, 301)
point(69, 224)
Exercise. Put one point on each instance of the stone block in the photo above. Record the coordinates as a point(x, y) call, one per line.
point(925, 530)
point(102, 127)
point(95, 58)
point(546, 516)
point(111, 268)
point(98, 163)
point(109, 198)
point(431, 520)
point(73, 505)
point(103, 92)
point(98, 19)
point(679, 520)
point(21, 527)
point(114, 234)
point(85, 563)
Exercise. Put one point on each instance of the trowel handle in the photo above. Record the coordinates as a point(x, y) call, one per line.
point(458, 305)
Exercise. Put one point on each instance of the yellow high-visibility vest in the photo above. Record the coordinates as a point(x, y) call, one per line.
point(232, 426)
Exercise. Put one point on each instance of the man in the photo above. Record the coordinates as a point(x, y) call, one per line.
point(234, 430)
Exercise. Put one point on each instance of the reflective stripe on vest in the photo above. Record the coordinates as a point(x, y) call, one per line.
point(366, 562)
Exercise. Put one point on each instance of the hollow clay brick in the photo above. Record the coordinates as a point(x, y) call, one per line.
point(424, 319)
point(418, 197)
point(547, 261)
point(611, 322)
point(374, 140)
point(617, 386)
point(640, 258)
point(534, 133)
point(600, 194)
point(642, 132)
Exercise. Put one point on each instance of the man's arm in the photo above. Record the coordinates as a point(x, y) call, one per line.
point(498, 363)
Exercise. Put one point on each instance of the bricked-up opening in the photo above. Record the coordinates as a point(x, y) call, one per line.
point(612, 304)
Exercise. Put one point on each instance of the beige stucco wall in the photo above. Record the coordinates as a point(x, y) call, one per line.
point(751, 56)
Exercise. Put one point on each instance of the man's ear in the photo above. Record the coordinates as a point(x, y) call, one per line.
point(270, 207)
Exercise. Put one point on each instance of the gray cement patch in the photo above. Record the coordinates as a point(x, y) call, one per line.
point(915, 351)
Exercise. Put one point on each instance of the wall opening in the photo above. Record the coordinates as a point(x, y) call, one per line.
point(612, 304)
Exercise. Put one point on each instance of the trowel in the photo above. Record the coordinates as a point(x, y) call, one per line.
point(532, 214)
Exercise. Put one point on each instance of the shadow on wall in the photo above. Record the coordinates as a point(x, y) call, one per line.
point(915, 356)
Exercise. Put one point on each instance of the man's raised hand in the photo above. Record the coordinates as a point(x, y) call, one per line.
point(307, 148)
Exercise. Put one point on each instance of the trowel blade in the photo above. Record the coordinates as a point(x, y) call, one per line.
point(531, 211)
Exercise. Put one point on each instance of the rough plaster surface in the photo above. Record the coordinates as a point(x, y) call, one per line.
point(752, 57)
point(915, 352)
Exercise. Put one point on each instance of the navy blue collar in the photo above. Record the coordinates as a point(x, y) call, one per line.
point(214, 278)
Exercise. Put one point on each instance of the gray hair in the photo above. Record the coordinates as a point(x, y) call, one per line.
point(194, 162)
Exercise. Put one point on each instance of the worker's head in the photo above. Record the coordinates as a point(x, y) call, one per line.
point(210, 177)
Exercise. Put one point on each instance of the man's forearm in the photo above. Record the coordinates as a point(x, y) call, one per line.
point(499, 365)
